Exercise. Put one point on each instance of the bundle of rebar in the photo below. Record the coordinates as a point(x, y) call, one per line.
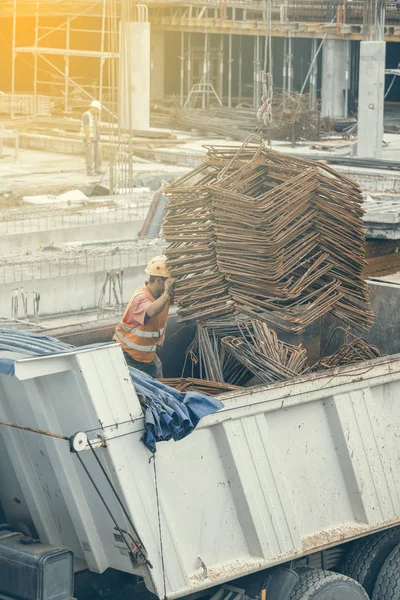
point(191, 384)
point(260, 351)
point(208, 357)
point(355, 349)
point(257, 232)
point(292, 118)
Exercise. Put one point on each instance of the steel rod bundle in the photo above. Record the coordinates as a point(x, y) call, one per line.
point(209, 357)
point(353, 350)
point(257, 232)
point(291, 118)
point(190, 384)
point(260, 351)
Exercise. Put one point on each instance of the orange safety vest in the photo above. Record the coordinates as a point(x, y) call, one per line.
point(141, 341)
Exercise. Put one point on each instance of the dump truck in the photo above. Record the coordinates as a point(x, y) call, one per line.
point(290, 491)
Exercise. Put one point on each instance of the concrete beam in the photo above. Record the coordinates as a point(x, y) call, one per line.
point(157, 65)
point(335, 78)
point(254, 27)
point(69, 293)
point(371, 99)
point(134, 76)
point(34, 240)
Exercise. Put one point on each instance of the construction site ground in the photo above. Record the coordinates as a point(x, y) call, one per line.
point(35, 171)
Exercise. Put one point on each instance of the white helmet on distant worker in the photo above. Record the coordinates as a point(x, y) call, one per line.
point(95, 104)
point(158, 267)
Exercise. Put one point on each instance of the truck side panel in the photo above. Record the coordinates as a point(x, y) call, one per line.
point(282, 471)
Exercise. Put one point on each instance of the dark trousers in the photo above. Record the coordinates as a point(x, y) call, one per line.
point(154, 369)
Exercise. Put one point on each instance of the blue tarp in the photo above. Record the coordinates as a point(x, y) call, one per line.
point(169, 413)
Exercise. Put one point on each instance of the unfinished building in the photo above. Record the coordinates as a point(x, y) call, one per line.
point(69, 51)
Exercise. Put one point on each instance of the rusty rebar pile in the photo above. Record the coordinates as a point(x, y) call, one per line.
point(261, 233)
point(190, 384)
point(260, 351)
point(292, 119)
point(208, 357)
point(355, 349)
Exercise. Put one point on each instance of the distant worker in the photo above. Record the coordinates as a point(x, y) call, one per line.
point(91, 138)
point(142, 328)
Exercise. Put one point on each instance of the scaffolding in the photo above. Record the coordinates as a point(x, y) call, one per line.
point(44, 52)
point(89, 31)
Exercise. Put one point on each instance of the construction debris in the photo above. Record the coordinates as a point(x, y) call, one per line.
point(190, 384)
point(292, 119)
point(235, 351)
point(209, 358)
point(288, 110)
point(353, 351)
point(230, 354)
point(260, 351)
point(257, 232)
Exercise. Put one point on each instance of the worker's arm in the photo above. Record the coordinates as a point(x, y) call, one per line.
point(158, 305)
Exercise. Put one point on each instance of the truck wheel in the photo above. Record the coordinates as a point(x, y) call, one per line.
point(315, 584)
point(387, 585)
point(365, 559)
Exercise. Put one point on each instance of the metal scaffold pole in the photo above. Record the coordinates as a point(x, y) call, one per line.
point(14, 35)
point(230, 61)
point(258, 71)
point(66, 58)
point(205, 71)
point(290, 66)
point(182, 70)
point(346, 80)
point(101, 69)
point(284, 68)
point(254, 73)
point(35, 59)
point(189, 65)
point(240, 68)
point(313, 76)
point(221, 68)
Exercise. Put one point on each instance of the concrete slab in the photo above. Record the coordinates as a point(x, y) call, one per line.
point(70, 279)
point(37, 169)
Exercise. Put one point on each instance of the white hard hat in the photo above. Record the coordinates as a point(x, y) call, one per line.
point(95, 104)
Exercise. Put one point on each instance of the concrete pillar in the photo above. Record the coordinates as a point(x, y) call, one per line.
point(371, 91)
point(134, 76)
point(335, 77)
point(157, 65)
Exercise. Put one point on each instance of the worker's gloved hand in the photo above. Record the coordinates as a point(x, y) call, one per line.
point(170, 284)
point(169, 287)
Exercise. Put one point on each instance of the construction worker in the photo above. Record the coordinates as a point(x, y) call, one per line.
point(142, 328)
point(91, 138)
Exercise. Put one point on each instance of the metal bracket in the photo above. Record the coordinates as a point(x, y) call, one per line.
point(79, 442)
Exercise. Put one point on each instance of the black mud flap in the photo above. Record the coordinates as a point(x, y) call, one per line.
point(281, 583)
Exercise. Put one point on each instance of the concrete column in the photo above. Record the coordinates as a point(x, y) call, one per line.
point(335, 67)
point(371, 92)
point(157, 65)
point(134, 76)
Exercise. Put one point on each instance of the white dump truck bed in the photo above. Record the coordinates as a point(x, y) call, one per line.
point(280, 472)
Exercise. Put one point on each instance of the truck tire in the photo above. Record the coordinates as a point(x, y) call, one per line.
point(387, 585)
point(365, 559)
point(315, 584)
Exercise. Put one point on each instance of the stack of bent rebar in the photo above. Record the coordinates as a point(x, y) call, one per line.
point(257, 232)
